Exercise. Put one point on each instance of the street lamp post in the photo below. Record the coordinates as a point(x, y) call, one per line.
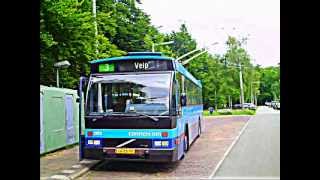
point(241, 87)
point(61, 64)
point(253, 98)
point(94, 12)
point(159, 44)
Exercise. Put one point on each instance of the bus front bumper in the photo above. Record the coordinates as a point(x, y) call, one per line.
point(141, 154)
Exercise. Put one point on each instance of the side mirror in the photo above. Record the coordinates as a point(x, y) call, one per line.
point(183, 99)
point(78, 100)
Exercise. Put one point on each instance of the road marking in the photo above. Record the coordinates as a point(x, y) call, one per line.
point(253, 178)
point(228, 150)
point(76, 166)
point(85, 162)
point(59, 177)
point(68, 171)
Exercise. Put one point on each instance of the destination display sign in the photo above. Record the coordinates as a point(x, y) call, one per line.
point(132, 66)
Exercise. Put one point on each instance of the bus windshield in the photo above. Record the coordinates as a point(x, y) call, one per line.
point(123, 94)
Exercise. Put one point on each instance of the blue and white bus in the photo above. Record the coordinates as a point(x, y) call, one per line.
point(141, 107)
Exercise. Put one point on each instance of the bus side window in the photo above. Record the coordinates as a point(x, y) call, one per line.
point(178, 90)
point(174, 98)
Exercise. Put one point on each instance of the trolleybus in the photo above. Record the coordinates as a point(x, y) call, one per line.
point(140, 107)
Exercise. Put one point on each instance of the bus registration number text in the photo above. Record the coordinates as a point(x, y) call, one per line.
point(125, 151)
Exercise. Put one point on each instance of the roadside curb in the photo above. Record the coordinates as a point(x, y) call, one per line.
point(222, 116)
point(80, 168)
point(84, 170)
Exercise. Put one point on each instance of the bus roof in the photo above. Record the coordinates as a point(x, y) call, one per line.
point(179, 67)
point(149, 56)
point(135, 56)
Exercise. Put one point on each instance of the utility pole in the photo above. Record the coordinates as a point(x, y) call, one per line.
point(241, 86)
point(57, 77)
point(94, 12)
point(254, 95)
point(241, 82)
point(251, 93)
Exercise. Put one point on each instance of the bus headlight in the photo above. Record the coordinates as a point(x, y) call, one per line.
point(164, 143)
point(159, 144)
point(90, 142)
point(96, 142)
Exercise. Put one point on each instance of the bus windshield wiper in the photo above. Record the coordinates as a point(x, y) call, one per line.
point(145, 115)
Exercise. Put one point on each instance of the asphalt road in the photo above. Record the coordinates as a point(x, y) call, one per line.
point(257, 153)
point(199, 163)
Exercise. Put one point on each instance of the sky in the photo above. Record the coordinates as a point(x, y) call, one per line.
point(211, 21)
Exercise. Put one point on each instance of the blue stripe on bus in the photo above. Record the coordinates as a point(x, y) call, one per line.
point(131, 133)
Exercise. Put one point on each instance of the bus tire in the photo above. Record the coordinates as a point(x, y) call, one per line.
point(186, 140)
point(199, 128)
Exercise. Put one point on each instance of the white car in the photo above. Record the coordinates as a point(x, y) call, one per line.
point(249, 105)
point(267, 103)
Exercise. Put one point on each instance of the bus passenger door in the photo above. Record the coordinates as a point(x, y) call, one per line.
point(178, 112)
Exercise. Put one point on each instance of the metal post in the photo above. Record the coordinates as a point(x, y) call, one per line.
point(251, 93)
point(100, 110)
point(215, 99)
point(80, 116)
point(57, 77)
point(241, 86)
point(94, 11)
point(256, 100)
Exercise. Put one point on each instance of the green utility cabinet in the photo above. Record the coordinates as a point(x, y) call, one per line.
point(58, 118)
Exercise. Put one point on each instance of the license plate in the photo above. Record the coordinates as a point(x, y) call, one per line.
point(125, 151)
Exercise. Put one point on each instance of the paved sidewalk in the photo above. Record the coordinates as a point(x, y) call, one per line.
point(64, 164)
point(257, 153)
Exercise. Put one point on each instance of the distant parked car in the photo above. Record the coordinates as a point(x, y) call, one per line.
point(245, 106)
point(273, 103)
point(237, 106)
point(249, 106)
point(267, 103)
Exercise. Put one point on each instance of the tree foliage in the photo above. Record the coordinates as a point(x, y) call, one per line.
point(67, 32)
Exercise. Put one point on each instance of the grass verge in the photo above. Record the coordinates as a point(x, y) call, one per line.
point(230, 112)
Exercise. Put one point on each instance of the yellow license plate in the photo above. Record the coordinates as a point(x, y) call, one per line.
point(125, 151)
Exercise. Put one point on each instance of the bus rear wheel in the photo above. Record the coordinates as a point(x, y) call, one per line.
point(186, 141)
point(199, 129)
